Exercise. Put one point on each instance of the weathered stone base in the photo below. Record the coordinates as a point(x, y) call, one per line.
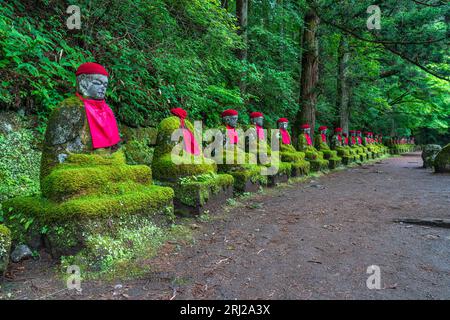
point(276, 179)
point(247, 178)
point(334, 163)
point(300, 169)
point(250, 186)
point(214, 203)
point(319, 165)
point(68, 228)
point(196, 195)
point(346, 160)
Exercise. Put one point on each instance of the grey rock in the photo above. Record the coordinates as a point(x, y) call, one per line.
point(429, 153)
point(21, 252)
point(62, 157)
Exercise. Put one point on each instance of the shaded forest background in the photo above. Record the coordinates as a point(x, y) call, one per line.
point(306, 60)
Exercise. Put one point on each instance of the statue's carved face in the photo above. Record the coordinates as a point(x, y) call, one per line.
point(307, 130)
point(259, 121)
point(92, 86)
point(353, 134)
point(323, 131)
point(283, 125)
point(231, 120)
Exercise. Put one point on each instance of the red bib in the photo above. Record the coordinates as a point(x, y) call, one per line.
point(232, 135)
point(102, 123)
point(285, 137)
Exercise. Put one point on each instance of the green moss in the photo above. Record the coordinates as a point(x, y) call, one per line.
point(301, 168)
point(164, 167)
point(442, 160)
point(138, 152)
point(328, 154)
point(292, 156)
point(5, 247)
point(142, 199)
point(247, 173)
point(67, 181)
point(284, 168)
point(116, 249)
point(197, 190)
point(147, 135)
point(80, 159)
point(165, 130)
point(334, 162)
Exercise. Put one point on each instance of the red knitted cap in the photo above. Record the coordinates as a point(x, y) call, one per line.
point(338, 130)
point(256, 114)
point(322, 128)
point(305, 126)
point(229, 112)
point(282, 120)
point(179, 112)
point(91, 68)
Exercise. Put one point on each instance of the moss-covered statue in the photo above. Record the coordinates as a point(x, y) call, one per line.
point(305, 145)
point(179, 163)
point(442, 160)
point(242, 165)
point(321, 144)
point(360, 141)
point(90, 196)
point(340, 144)
point(369, 144)
point(355, 144)
point(258, 143)
point(288, 152)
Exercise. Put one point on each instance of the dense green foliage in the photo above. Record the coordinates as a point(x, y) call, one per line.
point(167, 53)
point(19, 164)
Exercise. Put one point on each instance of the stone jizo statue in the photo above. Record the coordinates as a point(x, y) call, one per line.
point(83, 123)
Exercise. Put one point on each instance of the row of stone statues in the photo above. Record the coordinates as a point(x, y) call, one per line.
point(88, 188)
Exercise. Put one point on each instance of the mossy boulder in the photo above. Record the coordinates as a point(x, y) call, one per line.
point(442, 160)
point(429, 153)
point(5, 248)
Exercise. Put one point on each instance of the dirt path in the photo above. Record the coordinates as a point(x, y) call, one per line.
point(305, 241)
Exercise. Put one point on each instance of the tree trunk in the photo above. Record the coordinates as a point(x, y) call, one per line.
point(242, 19)
point(393, 132)
point(343, 86)
point(224, 4)
point(310, 73)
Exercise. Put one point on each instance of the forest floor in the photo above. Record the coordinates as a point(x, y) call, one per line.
point(312, 240)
